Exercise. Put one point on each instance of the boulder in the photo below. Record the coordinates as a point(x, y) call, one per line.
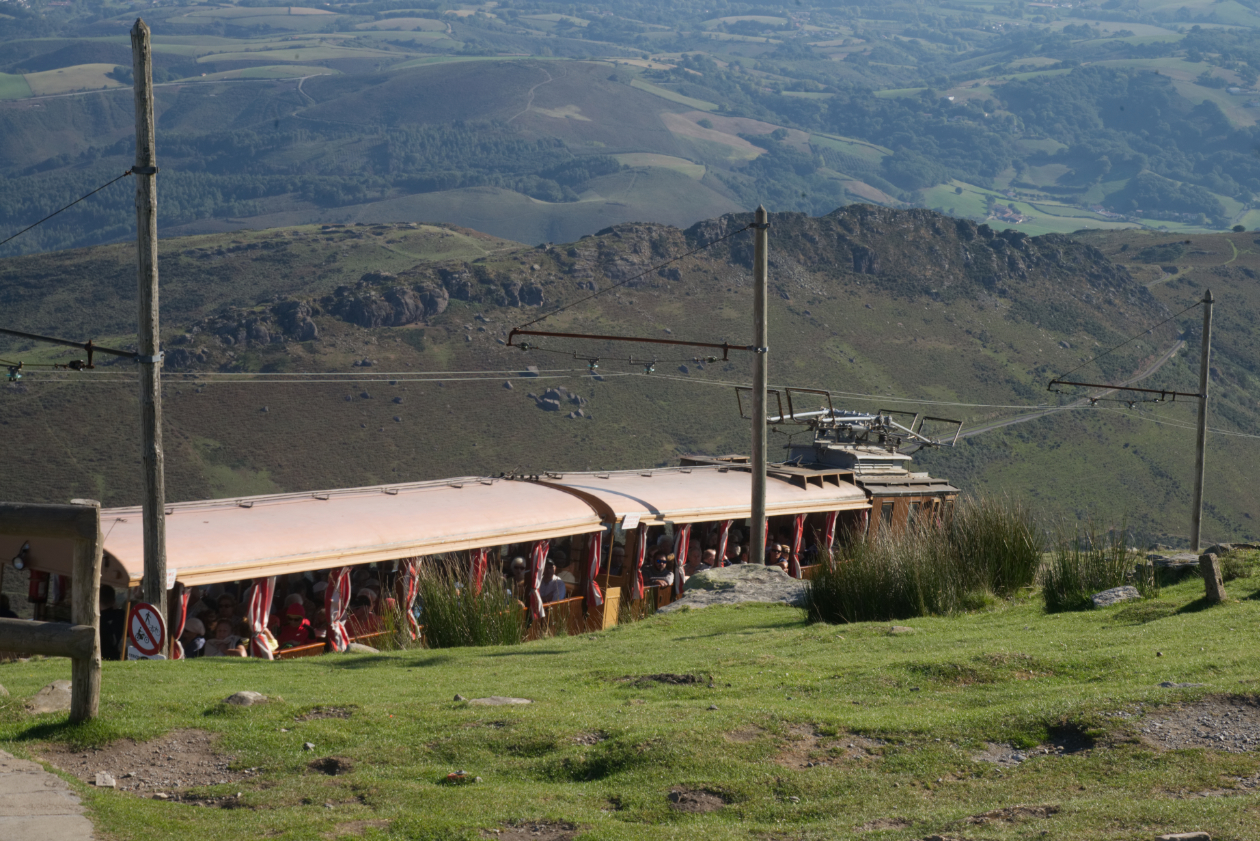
point(53, 698)
point(738, 584)
point(245, 699)
point(360, 648)
point(1214, 585)
point(1114, 596)
point(105, 780)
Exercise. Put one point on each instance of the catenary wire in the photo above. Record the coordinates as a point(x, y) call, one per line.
point(67, 207)
point(1130, 339)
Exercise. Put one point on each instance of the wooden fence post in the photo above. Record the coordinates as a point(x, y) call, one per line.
point(85, 692)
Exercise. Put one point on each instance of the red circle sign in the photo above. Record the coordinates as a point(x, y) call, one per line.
point(146, 631)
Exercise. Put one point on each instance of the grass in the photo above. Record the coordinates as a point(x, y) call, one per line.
point(665, 93)
point(783, 690)
point(13, 86)
point(66, 80)
point(454, 615)
point(1086, 563)
point(988, 547)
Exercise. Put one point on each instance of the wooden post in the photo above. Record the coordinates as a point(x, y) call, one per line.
point(85, 692)
point(757, 540)
point(150, 357)
point(1205, 354)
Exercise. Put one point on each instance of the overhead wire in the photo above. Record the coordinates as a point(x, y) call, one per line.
point(1128, 340)
point(67, 207)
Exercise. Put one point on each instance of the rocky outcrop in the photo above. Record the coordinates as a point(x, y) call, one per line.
point(740, 583)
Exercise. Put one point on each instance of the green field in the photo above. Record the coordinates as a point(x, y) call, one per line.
point(664, 93)
point(795, 730)
point(13, 86)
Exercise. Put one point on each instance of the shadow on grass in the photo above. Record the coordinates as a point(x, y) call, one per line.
point(1144, 612)
point(82, 736)
point(368, 661)
point(1196, 606)
point(525, 651)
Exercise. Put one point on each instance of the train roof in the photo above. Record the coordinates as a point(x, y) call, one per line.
point(230, 539)
point(707, 493)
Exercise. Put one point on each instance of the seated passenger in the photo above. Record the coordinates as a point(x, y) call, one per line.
point(362, 620)
point(552, 588)
point(224, 643)
point(660, 573)
point(695, 560)
point(193, 639)
point(618, 560)
point(709, 560)
point(296, 630)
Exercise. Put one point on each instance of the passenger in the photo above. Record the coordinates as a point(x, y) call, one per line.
point(552, 588)
point(520, 571)
point(709, 560)
point(227, 607)
point(193, 639)
point(661, 572)
point(362, 620)
point(113, 624)
point(618, 559)
point(7, 613)
point(695, 560)
point(778, 556)
point(224, 643)
point(297, 630)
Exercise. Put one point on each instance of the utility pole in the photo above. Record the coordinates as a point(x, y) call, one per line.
point(761, 263)
point(1196, 522)
point(149, 355)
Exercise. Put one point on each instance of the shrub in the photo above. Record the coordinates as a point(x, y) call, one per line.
point(453, 615)
point(1089, 562)
point(989, 546)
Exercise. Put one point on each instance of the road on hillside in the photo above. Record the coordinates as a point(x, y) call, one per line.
point(1041, 413)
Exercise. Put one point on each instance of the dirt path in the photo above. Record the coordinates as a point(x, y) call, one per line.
point(530, 102)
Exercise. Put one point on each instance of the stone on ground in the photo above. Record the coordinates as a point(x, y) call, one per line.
point(360, 648)
point(738, 584)
point(1115, 595)
point(4, 693)
point(1184, 836)
point(1210, 569)
point(245, 699)
point(104, 779)
point(499, 701)
point(53, 698)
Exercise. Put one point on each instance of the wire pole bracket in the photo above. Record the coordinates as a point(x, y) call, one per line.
point(1162, 392)
point(725, 347)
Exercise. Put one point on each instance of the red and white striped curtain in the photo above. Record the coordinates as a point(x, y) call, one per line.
point(636, 569)
point(259, 609)
point(794, 559)
point(181, 618)
point(682, 542)
point(480, 557)
point(594, 549)
point(724, 536)
point(537, 560)
point(829, 535)
point(410, 569)
point(336, 600)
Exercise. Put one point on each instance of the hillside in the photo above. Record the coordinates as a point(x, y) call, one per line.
point(908, 305)
point(537, 121)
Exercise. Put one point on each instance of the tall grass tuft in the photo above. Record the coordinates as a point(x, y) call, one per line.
point(1088, 562)
point(454, 615)
point(990, 546)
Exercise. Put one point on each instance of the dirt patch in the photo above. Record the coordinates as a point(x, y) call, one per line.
point(1228, 723)
point(230, 801)
point(535, 831)
point(883, 823)
point(592, 738)
point(696, 801)
point(179, 760)
point(744, 735)
point(664, 678)
point(341, 830)
point(1012, 814)
point(324, 712)
point(807, 747)
point(333, 766)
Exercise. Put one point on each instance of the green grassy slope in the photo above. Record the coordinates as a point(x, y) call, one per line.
point(803, 731)
point(896, 305)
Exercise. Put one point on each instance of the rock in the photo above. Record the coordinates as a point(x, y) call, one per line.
point(713, 706)
point(365, 395)
point(740, 583)
point(245, 699)
point(508, 386)
point(683, 369)
point(1114, 596)
point(308, 746)
point(1220, 549)
point(105, 780)
point(1170, 685)
point(360, 648)
point(499, 701)
point(1210, 569)
point(4, 693)
point(530, 371)
point(1184, 836)
point(397, 418)
point(398, 400)
point(897, 630)
point(459, 697)
point(53, 698)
